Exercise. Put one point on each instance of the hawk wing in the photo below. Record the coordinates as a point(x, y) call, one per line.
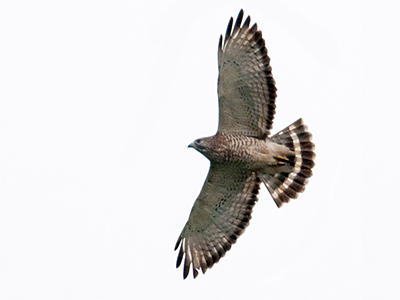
point(218, 217)
point(246, 88)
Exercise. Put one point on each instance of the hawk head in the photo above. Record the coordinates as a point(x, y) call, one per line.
point(204, 145)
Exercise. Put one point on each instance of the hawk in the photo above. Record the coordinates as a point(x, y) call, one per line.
point(242, 153)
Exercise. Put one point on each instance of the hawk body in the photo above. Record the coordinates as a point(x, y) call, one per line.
point(253, 154)
point(241, 154)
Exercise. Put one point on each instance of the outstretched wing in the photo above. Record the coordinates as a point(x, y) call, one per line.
point(218, 217)
point(246, 88)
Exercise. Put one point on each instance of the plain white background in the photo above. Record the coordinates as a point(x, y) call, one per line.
point(98, 102)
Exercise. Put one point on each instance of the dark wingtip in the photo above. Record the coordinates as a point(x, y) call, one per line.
point(180, 257)
point(247, 22)
point(228, 29)
point(254, 28)
point(238, 22)
point(195, 273)
point(186, 267)
point(185, 272)
point(177, 243)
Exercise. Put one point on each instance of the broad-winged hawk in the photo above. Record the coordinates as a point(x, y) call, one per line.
point(241, 153)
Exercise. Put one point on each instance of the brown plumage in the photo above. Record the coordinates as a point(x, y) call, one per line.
point(241, 154)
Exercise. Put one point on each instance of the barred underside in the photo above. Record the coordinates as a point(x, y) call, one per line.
point(285, 186)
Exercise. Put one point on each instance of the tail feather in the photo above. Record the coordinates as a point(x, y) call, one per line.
point(284, 186)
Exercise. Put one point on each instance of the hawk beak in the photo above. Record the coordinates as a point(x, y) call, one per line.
point(191, 145)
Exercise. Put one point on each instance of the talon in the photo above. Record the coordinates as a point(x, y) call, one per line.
point(281, 160)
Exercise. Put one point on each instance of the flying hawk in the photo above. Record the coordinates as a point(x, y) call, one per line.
point(242, 154)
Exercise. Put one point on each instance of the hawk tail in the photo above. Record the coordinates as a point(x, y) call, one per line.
point(284, 186)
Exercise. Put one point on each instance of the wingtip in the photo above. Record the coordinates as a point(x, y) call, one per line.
point(179, 259)
point(185, 273)
point(254, 28)
point(177, 243)
point(246, 23)
point(195, 273)
point(238, 22)
point(229, 29)
point(241, 13)
point(186, 267)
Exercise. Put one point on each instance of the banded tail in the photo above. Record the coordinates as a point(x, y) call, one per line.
point(284, 186)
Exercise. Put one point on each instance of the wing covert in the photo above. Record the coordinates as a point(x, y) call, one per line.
point(246, 88)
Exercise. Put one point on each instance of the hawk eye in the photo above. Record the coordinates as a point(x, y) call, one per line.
point(197, 141)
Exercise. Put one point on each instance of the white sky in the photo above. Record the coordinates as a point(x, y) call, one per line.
point(98, 102)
